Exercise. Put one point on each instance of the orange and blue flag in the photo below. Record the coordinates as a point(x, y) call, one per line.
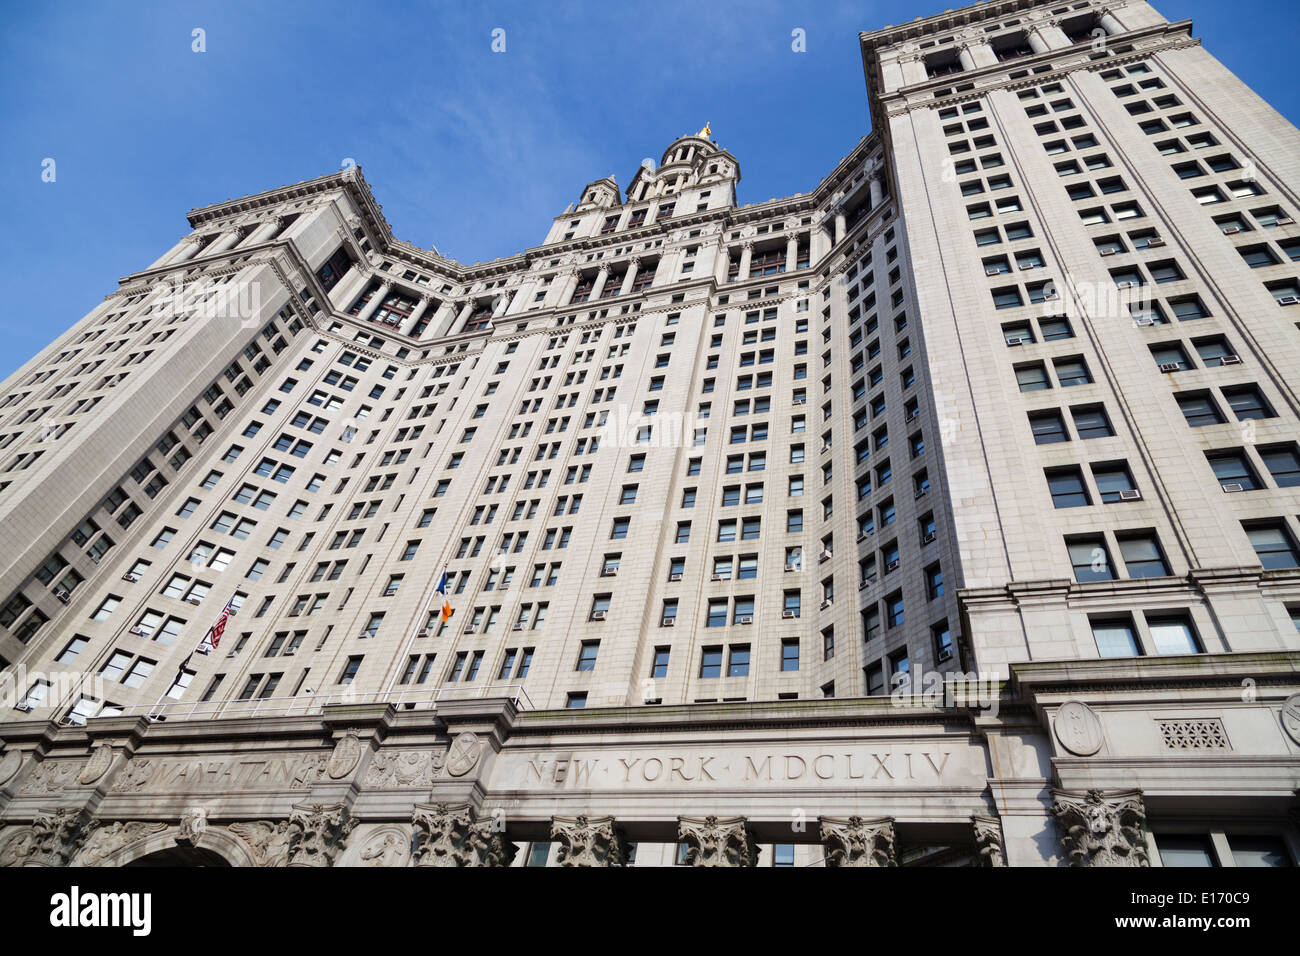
point(442, 592)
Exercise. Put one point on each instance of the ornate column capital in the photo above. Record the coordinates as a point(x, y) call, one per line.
point(717, 841)
point(1102, 829)
point(447, 835)
point(53, 839)
point(589, 841)
point(321, 833)
point(853, 841)
point(989, 849)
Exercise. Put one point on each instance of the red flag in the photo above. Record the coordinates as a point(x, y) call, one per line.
point(219, 628)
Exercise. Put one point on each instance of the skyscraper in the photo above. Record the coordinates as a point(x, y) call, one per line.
point(788, 498)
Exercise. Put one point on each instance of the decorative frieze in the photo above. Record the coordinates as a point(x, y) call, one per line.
point(108, 839)
point(853, 841)
point(1203, 733)
point(588, 841)
point(717, 841)
point(1101, 829)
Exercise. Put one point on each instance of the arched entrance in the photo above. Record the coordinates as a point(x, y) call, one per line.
point(181, 856)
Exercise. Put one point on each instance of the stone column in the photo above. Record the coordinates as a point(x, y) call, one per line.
point(589, 841)
point(567, 288)
point(792, 253)
point(965, 56)
point(414, 317)
point(721, 263)
point(369, 308)
point(601, 278)
point(351, 285)
point(717, 841)
point(264, 231)
point(226, 241)
point(877, 191)
point(989, 850)
point(840, 224)
point(462, 317)
point(1036, 41)
point(853, 841)
point(500, 304)
point(442, 319)
point(188, 250)
point(630, 276)
point(746, 255)
point(1102, 829)
point(1109, 23)
point(447, 835)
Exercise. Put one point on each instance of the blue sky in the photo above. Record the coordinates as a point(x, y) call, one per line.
point(469, 150)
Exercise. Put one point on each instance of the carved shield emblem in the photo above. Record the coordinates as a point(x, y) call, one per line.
point(10, 761)
point(463, 754)
point(347, 752)
point(1078, 728)
point(101, 758)
point(1290, 721)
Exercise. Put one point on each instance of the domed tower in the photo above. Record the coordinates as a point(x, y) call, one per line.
point(693, 162)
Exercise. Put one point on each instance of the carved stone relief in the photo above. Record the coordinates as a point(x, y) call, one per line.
point(321, 832)
point(108, 839)
point(388, 846)
point(53, 839)
point(853, 841)
point(101, 758)
point(346, 756)
point(398, 769)
point(717, 841)
point(988, 841)
point(194, 821)
point(1101, 829)
point(589, 841)
point(1078, 728)
point(447, 835)
point(10, 762)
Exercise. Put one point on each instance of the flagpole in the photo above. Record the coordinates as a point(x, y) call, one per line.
point(181, 669)
point(424, 613)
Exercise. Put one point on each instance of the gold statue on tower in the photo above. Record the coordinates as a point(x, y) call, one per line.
point(705, 132)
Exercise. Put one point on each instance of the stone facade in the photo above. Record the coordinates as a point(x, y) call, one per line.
point(770, 533)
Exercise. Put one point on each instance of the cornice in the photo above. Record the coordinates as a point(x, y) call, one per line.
point(920, 95)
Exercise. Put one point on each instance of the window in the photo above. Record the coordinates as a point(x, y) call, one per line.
point(1090, 559)
point(1067, 488)
point(1072, 371)
point(738, 660)
point(1283, 463)
point(1112, 480)
point(1032, 378)
point(587, 655)
point(1048, 427)
point(711, 662)
point(1115, 638)
point(1142, 555)
point(790, 654)
point(1247, 402)
point(1273, 544)
point(1091, 421)
point(1233, 470)
point(1199, 409)
point(1173, 634)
